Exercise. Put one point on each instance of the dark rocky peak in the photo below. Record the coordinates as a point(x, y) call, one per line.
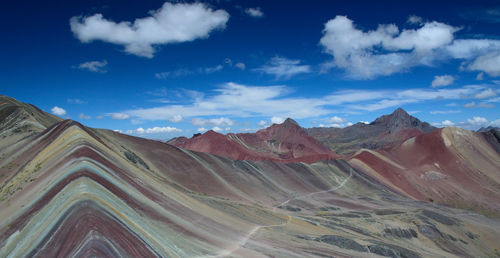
point(400, 119)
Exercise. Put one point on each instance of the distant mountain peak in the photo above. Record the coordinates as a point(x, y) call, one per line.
point(290, 121)
point(400, 119)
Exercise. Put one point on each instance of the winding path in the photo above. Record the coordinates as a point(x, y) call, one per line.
point(249, 235)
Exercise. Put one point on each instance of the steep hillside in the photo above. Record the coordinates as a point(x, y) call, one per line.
point(19, 120)
point(451, 165)
point(280, 142)
point(385, 131)
point(73, 191)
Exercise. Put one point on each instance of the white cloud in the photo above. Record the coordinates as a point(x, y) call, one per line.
point(99, 117)
point(221, 121)
point(470, 104)
point(445, 123)
point(58, 111)
point(175, 119)
point(83, 116)
point(154, 130)
point(443, 112)
point(254, 12)
point(262, 123)
point(443, 80)
point(335, 119)
point(477, 120)
point(413, 19)
point(76, 101)
point(277, 120)
point(202, 129)
point(388, 50)
point(186, 72)
point(239, 100)
point(217, 129)
point(172, 23)
point(355, 50)
point(489, 63)
point(240, 65)
point(285, 68)
point(488, 93)
point(485, 105)
point(94, 66)
point(120, 116)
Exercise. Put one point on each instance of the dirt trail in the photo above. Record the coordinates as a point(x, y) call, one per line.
point(247, 237)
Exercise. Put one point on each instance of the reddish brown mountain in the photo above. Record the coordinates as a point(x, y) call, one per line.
point(280, 142)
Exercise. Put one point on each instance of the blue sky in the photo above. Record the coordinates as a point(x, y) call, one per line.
point(163, 69)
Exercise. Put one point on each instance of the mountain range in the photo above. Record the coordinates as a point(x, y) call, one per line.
point(400, 188)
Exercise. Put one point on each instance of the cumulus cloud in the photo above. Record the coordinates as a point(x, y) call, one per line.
point(262, 123)
point(285, 68)
point(175, 119)
point(83, 116)
point(444, 123)
point(442, 80)
point(335, 119)
point(58, 111)
point(94, 66)
point(172, 23)
point(202, 129)
point(154, 130)
point(277, 120)
point(355, 50)
point(254, 12)
point(388, 50)
point(217, 129)
point(489, 63)
point(221, 121)
point(120, 116)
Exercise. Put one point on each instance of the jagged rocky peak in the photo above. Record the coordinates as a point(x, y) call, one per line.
point(400, 119)
point(290, 121)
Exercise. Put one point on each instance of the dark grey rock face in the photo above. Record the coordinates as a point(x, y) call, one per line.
point(440, 218)
point(401, 233)
point(342, 242)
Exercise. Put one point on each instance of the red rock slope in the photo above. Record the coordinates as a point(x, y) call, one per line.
point(450, 165)
point(280, 142)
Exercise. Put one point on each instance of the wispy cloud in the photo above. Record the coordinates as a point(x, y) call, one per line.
point(254, 12)
point(186, 72)
point(221, 121)
point(285, 68)
point(83, 116)
point(232, 99)
point(172, 23)
point(76, 101)
point(93, 66)
point(444, 112)
point(442, 80)
point(154, 130)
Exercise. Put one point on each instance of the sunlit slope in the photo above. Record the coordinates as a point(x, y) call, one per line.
point(452, 166)
point(82, 192)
